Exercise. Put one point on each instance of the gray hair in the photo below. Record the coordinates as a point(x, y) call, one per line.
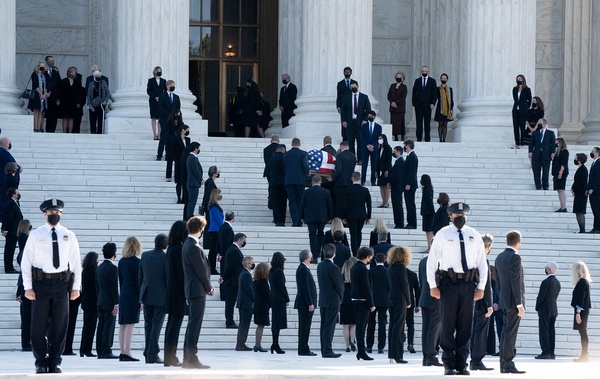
point(488, 240)
point(304, 254)
point(552, 267)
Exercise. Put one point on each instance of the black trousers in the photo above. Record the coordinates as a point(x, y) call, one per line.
point(154, 317)
point(184, 199)
point(304, 321)
point(172, 336)
point(353, 134)
point(479, 338)
point(547, 334)
point(411, 207)
point(366, 156)
point(25, 311)
point(410, 325)
point(50, 115)
point(192, 199)
point(230, 299)
point(379, 317)
point(397, 208)
point(90, 318)
point(595, 205)
point(96, 120)
point(328, 320)
point(244, 327)
point(9, 252)
point(214, 250)
point(49, 321)
point(338, 206)
point(169, 155)
point(362, 311)
point(508, 339)
point(192, 333)
point(395, 345)
point(456, 314)
point(423, 119)
point(162, 141)
point(73, 312)
point(541, 167)
point(316, 236)
point(519, 120)
point(355, 225)
point(278, 201)
point(77, 123)
point(105, 334)
point(431, 328)
point(294, 195)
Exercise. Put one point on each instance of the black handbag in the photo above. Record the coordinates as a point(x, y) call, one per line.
point(28, 93)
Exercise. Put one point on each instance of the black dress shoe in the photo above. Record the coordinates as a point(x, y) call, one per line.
point(432, 362)
point(398, 360)
point(309, 354)
point(512, 370)
point(172, 362)
point(280, 224)
point(231, 326)
point(398, 227)
point(156, 360)
point(543, 356)
point(27, 348)
point(56, 369)
point(463, 371)
point(380, 351)
point(127, 358)
point(13, 271)
point(479, 366)
point(369, 351)
point(41, 369)
point(411, 349)
point(332, 355)
point(363, 356)
point(449, 371)
point(109, 356)
point(410, 227)
point(243, 348)
point(197, 365)
point(82, 354)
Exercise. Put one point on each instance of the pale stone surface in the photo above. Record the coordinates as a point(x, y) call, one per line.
point(9, 93)
point(591, 132)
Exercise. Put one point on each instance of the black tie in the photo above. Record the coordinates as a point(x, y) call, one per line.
point(348, 83)
point(171, 97)
point(55, 257)
point(463, 254)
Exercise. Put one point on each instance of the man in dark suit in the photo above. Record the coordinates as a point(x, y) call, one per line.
point(345, 162)
point(355, 109)
point(287, 99)
point(10, 225)
point(226, 236)
point(343, 89)
point(593, 188)
point(306, 298)
point(430, 313)
point(547, 310)
point(369, 133)
point(316, 210)
point(357, 210)
point(424, 97)
point(342, 252)
point(107, 290)
point(153, 282)
point(382, 247)
point(327, 141)
point(168, 103)
point(230, 275)
point(331, 292)
point(409, 182)
point(269, 152)
point(415, 292)
point(541, 153)
point(511, 293)
point(245, 303)
point(381, 291)
point(53, 102)
point(277, 192)
point(295, 166)
point(196, 272)
point(194, 178)
point(396, 188)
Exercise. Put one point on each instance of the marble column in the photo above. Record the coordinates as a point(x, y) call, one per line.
point(10, 103)
point(591, 132)
point(145, 37)
point(576, 66)
point(493, 52)
point(335, 34)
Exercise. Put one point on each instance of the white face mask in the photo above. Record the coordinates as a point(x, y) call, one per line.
point(380, 141)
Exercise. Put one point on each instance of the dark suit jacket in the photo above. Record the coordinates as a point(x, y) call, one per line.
point(427, 202)
point(487, 301)
point(581, 295)
point(295, 166)
point(545, 304)
point(408, 175)
point(153, 277)
point(331, 285)
point(196, 270)
point(342, 254)
point(329, 149)
point(306, 289)
point(209, 185)
point(511, 287)
point(194, 172)
point(524, 102)
point(277, 282)
point(107, 284)
point(274, 170)
point(357, 202)
point(233, 265)
point(343, 90)
point(175, 295)
point(245, 297)
point(89, 297)
point(425, 300)
point(424, 97)
point(395, 176)
point(381, 286)
point(345, 162)
point(383, 248)
point(166, 108)
point(225, 241)
point(155, 90)
point(413, 287)
point(361, 283)
point(316, 205)
point(594, 177)
point(367, 137)
point(268, 153)
point(362, 111)
point(12, 217)
point(580, 180)
point(440, 219)
point(542, 149)
point(561, 160)
point(399, 290)
point(384, 161)
point(287, 98)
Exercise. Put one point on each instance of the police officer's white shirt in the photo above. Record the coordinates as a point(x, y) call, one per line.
point(445, 250)
point(38, 254)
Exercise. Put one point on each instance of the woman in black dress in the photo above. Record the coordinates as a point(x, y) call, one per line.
point(253, 109)
point(89, 301)
point(533, 116)
point(262, 302)
point(522, 100)
point(560, 171)
point(384, 167)
point(578, 190)
point(441, 217)
point(581, 304)
point(129, 296)
point(72, 99)
point(156, 86)
point(398, 260)
point(279, 299)
point(175, 305)
point(179, 144)
point(445, 106)
point(427, 210)
point(347, 313)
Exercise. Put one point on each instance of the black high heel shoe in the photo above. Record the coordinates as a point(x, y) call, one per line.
point(396, 360)
point(352, 346)
point(258, 348)
point(363, 356)
point(90, 355)
point(277, 349)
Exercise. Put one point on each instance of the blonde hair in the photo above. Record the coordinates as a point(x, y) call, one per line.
point(399, 255)
point(580, 271)
point(347, 267)
point(24, 227)
point(401, 75)
point(131, 248)
point(262, 271)
point(36, 68)
point(380, 226)
point(336, 224)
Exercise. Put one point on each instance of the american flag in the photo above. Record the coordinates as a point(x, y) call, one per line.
point(321, 161)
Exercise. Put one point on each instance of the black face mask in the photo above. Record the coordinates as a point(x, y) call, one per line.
point(347, 76)
point(354, 90)
point(253, 266)
point(459, 222)
point(423, 75)
point(398, 80)
point(187, 133)
point(556, 146)
point(404, 148)
point(9, 146)
point(534, 105)
point(53, 219)
point(592, 155)
point(443, 81)
point(371, 119)
point(576, 162)
point(19, 197)
point(218, 175)
point(284, 82)
point(42, 69)
point(519, 82)
point(159, 73)
point(243, 244)
point(172, 88)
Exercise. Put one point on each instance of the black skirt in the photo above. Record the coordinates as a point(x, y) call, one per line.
point(279, 316)
point(584, 319)
point(347, 314)
point(261, 317)
point(427, 223)
point(580, 204)
point(559, 184)
point(154, 108)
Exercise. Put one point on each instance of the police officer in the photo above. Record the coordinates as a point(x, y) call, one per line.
point(457, 273)
point(51, 268)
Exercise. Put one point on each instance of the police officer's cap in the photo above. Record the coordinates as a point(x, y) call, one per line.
point(459, 208)
point(52, 205)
